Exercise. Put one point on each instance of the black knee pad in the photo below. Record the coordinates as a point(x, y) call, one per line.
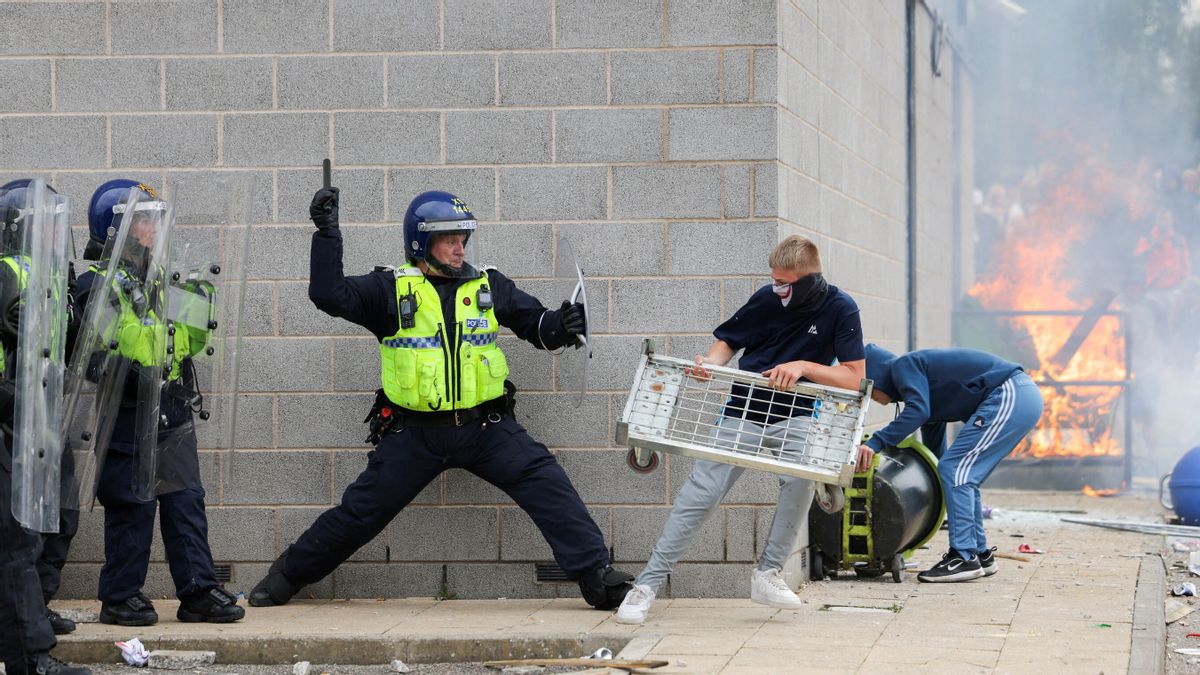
point(605, 587)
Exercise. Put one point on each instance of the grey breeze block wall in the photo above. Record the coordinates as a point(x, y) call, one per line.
point(674, 142)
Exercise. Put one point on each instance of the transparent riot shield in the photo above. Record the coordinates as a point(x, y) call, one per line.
point(573, 362)
point(41, 343)
point(207, 286)
point(120, 347)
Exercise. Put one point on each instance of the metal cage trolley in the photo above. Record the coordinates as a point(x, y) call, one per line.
point(810, 431)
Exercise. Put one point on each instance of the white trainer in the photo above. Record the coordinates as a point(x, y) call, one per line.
point(769, 588)
point(636, 605)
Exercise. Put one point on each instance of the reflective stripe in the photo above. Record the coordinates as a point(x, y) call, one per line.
point(434, 342)
point(479, 340)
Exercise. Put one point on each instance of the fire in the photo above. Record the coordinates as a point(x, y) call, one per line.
point(1102, 492)
point(1048, 261)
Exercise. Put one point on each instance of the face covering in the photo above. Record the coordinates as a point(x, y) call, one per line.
point(804, 295)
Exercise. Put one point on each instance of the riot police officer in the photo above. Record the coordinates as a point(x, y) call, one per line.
point(445, 401)
point(128, 514)
point(26, 632)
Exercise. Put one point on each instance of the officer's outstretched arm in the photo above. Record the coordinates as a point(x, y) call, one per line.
point(525, 315)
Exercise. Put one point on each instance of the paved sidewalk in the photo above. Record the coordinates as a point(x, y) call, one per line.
point(1074, 609)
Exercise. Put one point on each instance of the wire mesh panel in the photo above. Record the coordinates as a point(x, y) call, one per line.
point(735, 417)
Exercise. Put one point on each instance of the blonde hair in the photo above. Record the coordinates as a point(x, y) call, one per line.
point(795, 253)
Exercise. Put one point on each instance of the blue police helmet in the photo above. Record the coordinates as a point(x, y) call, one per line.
point(430, 213)
point(13, 198)
point(102, 211)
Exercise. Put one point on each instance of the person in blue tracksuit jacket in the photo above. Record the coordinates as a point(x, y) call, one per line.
point(999, 404)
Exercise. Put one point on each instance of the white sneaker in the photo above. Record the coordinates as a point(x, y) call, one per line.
point(636, 605)
point(769, 588)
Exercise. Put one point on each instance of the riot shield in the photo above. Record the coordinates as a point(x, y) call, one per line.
point(39, 364)
point(207, 286)
point(573, 362)
point(120, 347)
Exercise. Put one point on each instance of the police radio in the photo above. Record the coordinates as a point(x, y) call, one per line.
point(408, 310)
point(483, 299)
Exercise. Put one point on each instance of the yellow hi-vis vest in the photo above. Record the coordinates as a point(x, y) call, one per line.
point(442, 364)
point(142, 340)
point(20, 268)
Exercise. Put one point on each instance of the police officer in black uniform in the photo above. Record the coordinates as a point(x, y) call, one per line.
point(445, 401)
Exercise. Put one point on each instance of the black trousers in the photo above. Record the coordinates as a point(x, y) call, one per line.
point(24, 628)
point(56, 546)
point(129, 531)
point(405, 461)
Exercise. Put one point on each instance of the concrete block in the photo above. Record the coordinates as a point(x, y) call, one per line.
point(178, 659)
point(766, 189)
point(551, 293)
point(609, 369)
point(666, 77)
point(498, 137)
point(179, 27)
point(553, 78)
point(419, 533)
point(230, 83)
point(371, 245)
point(520, 538)
point(706, 580)
point(477, 187)
point(100, 85)
point(608, 25)
point(441, 81)
point(722, 133)
point(715, 22)
point(348, 465)
point(387, 138)
point(255, 423)
point(294, 522)
point(301, 668)
point(528, 368)
point(164, 140)
point(753, 487)
point(30, 77)
point(736, 188)
point(688, 346)
point(54, 28)
point(88, 544)
point(520, 249)
point(322, 421)
point(555, 421)
point(268, 364)
point(766, 73)
point(208, 191)
point(271, 26)
point(241, 534)
point(701, 248)
point(276, 139)
point(331, 82)
point(604, 249)
point(592, 473)
point(739, 534)
point(506, 580)
point(384, 25)
point(735, 73)
point(497, 24)
point(636, 530)
point(355, 365)
point(366, 580)
point(737, 291)
point(463, 487)
point(43, 142)
point(666, 192)
point(608, 135)
point(298, 316)
point(360, 201)
point(553, 193)
point(652, 306)
point(279, 477)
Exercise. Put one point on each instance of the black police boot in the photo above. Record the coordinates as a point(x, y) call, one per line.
point(44, 664)
point(60, 625)
point(605, 587)
point(215, 605)
point(136, 611)
point(275, 588)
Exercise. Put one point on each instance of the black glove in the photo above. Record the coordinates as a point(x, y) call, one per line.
point(324, 208)
point(571, 318)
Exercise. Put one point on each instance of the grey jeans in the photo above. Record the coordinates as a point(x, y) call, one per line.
point(710, 481)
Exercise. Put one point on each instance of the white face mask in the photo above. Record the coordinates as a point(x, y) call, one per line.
point(784, 291)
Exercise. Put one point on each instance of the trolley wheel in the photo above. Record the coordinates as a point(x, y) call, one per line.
point(637, 464)
point(816, 564)
point(898, 568)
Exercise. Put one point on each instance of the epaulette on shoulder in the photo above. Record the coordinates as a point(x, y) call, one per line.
point(485, 268)
point(385, 268)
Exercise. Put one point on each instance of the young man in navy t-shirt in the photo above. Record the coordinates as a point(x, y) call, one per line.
point(796, 328)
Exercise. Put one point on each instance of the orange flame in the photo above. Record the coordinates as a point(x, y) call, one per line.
point(1104, 492)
